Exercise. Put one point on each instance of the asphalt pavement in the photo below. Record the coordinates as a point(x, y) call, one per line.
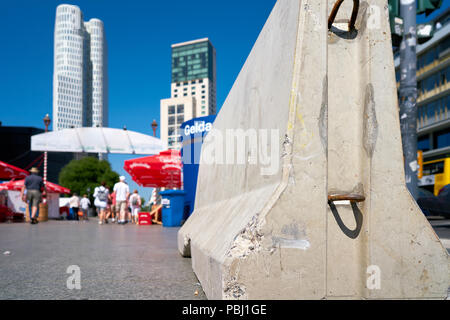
point(442, 228)
point(112, 261)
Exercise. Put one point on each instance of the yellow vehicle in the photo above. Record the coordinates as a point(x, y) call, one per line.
point(434, 175)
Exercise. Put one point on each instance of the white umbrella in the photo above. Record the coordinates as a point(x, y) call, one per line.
point(97, 140)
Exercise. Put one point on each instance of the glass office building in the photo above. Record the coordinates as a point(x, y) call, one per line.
point(433, 86)
point(192, 61)
point(193, 88)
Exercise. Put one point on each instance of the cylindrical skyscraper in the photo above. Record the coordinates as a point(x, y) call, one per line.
point(80, 79)
point(68, 79)
point(98, 61)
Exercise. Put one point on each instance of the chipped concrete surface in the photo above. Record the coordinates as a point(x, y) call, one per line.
point(116, 262)
point(276, 237)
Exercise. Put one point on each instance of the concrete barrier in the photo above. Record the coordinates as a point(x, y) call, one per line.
point(264, 233)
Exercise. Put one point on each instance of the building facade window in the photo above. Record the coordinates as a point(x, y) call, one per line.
point(442, 138)
point(423, 143)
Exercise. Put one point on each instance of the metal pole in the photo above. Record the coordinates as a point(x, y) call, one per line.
point(46, 123)
point(45, 155)
point(45, 167)
point(408, 93)
point(45, 174)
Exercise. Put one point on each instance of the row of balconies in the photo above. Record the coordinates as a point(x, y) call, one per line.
point(442, 59)
point(422, 96)
point(439, 115)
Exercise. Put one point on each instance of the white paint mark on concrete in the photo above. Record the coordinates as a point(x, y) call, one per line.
point(308, 157)
point(293, 243)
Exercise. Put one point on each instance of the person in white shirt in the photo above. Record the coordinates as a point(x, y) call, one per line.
point(101, 195)
point(122, 193)
point(135, 202)
point(85, 203)
point(74, 203)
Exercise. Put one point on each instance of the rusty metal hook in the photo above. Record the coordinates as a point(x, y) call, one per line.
point(337, 5)
point(352, 197)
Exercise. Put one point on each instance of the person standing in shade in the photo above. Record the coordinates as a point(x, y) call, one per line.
point(135, 202)
point(35, 188)
point(85, 203)
point(74, 203)
point(122, 193)
point(101, 195)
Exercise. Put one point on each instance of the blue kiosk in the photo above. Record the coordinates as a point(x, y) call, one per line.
point(193, 133)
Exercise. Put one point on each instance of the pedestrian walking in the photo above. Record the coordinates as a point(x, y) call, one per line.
point(32, 191)
point(122, 193)
point(85, 203)
point(74, 204)
point(101, 201)
point(114, 212)
point(136, 202)
point(128, 210)
point(108, 206)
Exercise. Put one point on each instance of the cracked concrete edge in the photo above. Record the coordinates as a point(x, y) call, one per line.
point(184, 237)
point(218, 272)
point(249, 241)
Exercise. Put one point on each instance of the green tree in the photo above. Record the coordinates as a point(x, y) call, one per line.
point(87, 174)
point(144, 208)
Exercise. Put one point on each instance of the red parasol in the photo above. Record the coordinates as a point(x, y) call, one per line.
point(8, 172)
point(160, 171)
point(18, 184)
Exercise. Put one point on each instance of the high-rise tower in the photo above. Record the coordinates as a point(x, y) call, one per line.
point(80, 80)
point(193, 88)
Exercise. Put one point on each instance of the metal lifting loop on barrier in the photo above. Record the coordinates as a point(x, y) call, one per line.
point(337, 5)
point(349, 197)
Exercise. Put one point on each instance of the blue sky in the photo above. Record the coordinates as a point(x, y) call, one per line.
point(139, 35)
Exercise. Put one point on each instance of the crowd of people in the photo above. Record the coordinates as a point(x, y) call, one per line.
point(120, 205)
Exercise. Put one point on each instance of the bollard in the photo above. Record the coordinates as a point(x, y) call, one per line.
point(334, 220)
point(43, 213)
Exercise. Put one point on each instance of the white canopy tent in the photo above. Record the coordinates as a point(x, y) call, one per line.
point(97, 140)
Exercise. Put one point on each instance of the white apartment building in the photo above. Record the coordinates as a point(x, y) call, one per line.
point(80, 80)
point(174, 111)
point(193, 84)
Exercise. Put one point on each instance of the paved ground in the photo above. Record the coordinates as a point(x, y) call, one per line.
point(442, 228)
point(116, 262)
